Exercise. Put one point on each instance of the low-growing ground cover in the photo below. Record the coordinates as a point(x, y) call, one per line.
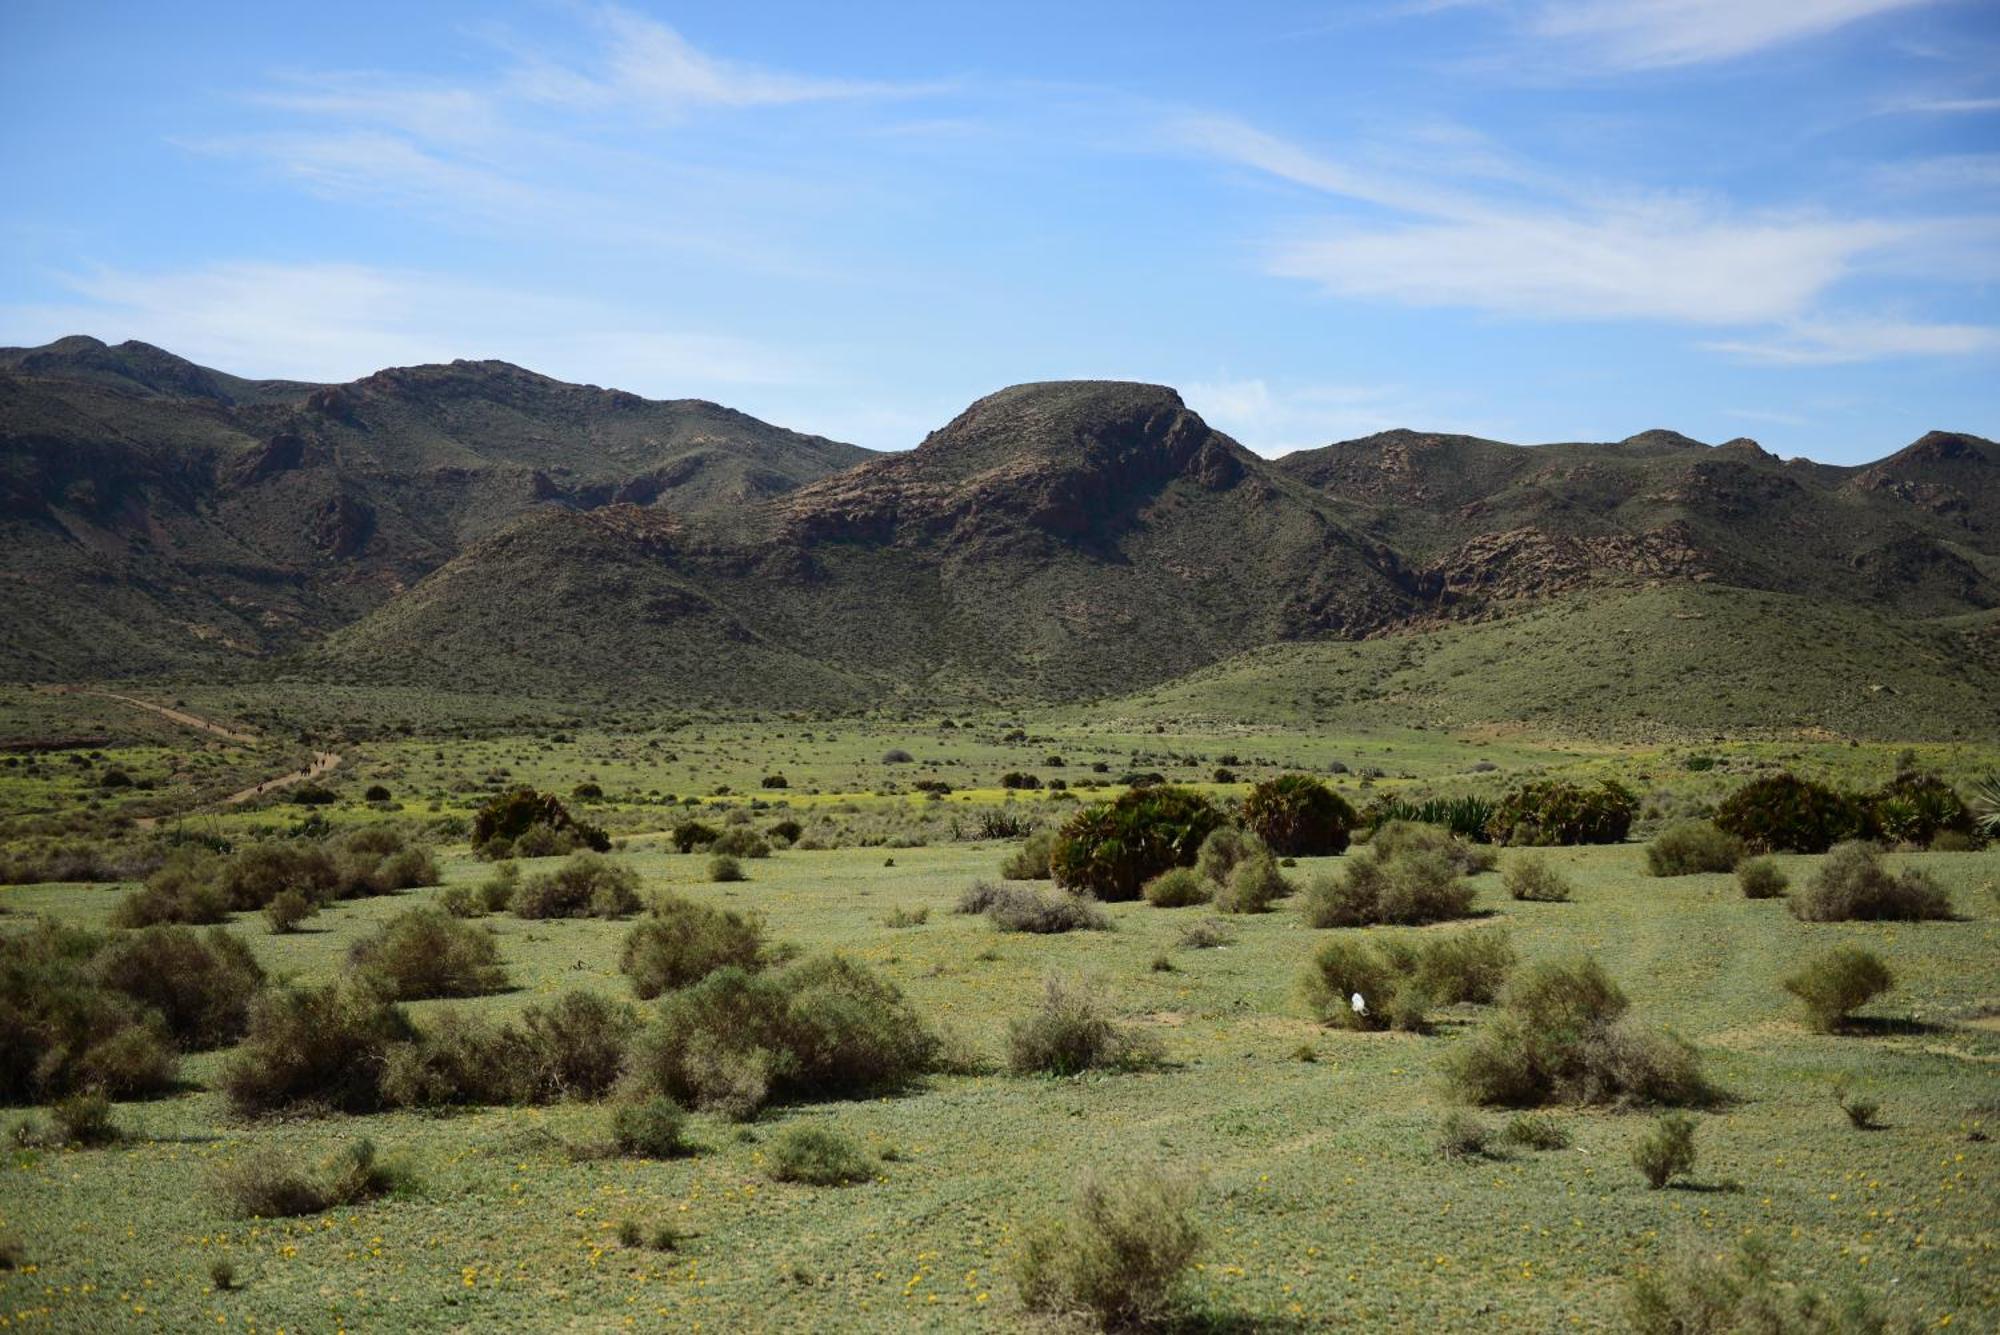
point(1323, 1199)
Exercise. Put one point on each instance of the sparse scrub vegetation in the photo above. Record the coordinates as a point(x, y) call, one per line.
point(1702, 1292)
point(1533, 879)
point(1666, 1151)
point(819, 1156)
point(1692, 847)
point(1761, 878)
point(1072, 1031)
point(425, 952)
point(1837, 983)
point(680, 942)
point(586, 885)
point(1562, 1036)
point(1118, 1255)
point(1852, 885)
point(1408, 888)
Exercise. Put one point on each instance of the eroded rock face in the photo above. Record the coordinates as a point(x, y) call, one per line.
point(341, 525)
point(1074, 460)
point(1528, 562)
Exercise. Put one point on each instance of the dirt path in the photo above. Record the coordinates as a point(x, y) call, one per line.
point(179, 716)
point(321, 763)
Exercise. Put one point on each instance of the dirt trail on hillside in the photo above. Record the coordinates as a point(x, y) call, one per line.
point(321, 763)
point(179, 716)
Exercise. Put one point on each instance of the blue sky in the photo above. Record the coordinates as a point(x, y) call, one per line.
point(1528, 219)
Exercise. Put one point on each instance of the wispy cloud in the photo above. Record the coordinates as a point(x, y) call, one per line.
point(642, 62)
point(339, 321)
point(1660, 34)
point(1835, 342)
point(1645, 256)
point(1277, 417)
point(1942, 106)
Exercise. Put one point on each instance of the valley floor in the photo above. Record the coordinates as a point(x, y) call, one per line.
point(1325, 1201)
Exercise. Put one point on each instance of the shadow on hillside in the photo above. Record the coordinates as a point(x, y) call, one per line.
point(1890, 1026)
point(1237, 1323)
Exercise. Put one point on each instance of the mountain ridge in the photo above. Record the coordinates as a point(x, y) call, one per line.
point(1054, 540)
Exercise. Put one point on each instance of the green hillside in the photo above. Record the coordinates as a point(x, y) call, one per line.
point(1645, 663)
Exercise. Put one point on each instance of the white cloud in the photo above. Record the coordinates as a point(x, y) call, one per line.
point(1619, 265)
point(645, 63)
point(1853, 339)
point(334, 322)
point(1277, 418)
point(1591, 255)
point(1945, 106)
point(1656, 34)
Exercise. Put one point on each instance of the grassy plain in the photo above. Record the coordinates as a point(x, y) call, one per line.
point(1325, 1199)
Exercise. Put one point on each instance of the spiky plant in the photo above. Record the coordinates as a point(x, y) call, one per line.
point(1986, 805)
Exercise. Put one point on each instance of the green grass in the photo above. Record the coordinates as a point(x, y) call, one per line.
point(1324, 1202)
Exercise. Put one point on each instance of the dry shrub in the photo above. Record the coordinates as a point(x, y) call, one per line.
point(1408, 836)
point(1030, 862)
point(61, 1031)
point(652, 1128)
point(1699, 1292)
point(1666, 1151)
point(1852, 885)
point(315, 1048)
point(1253, 885)
point(820, 1157)
point(1838, 982)
point(201, 984)
point(586, 885)
point(425, 952)
point(1692, 847)
point(179, 892)
point(1759, 878)
point(1562, 1037)
point(1532, 878)
point(1181, 887)
point(822, 1028)
point(1408, 887)
point(1118, 1255)
point(268, 1184)
point(1073, 1030)
point(1016, 908)
point(681, 942)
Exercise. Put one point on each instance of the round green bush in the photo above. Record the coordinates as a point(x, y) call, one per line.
point(1298, 816)
point(1553, 812)
point(1111, 850)
point(1784, 813)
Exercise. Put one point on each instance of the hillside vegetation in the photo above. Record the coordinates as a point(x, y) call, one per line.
point(477, 527)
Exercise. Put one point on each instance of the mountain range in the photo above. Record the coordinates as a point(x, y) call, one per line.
point(478, 526)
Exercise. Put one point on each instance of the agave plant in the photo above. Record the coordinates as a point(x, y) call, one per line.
point(1986, 805)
